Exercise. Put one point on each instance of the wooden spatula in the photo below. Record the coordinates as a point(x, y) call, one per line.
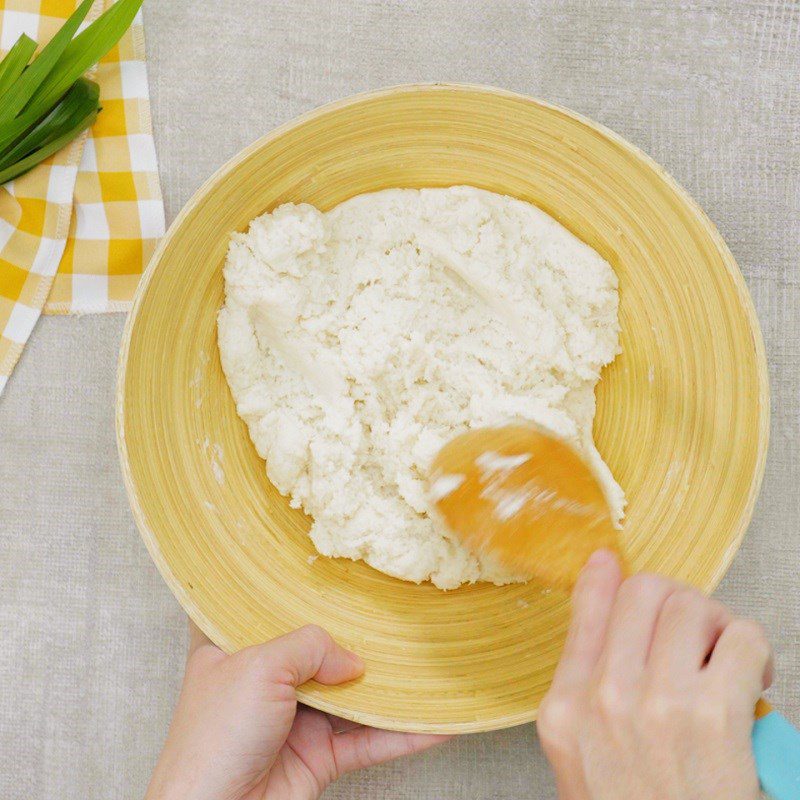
point(526, 498)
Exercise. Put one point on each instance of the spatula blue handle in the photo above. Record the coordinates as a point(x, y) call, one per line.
point(776, 746)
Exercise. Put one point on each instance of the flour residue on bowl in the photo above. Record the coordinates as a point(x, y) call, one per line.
point(357, 342)
point(216, 455)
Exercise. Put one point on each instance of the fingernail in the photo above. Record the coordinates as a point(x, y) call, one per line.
point(600, 557)
point(356, 659)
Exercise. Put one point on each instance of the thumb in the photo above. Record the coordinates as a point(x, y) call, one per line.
point(309, 652)
point(365, 747)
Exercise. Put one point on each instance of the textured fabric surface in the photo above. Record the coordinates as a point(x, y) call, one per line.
point(78, 229)
point(92, 640)
point(118, 213)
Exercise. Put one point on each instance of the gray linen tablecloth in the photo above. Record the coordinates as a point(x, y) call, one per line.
point(92, 641)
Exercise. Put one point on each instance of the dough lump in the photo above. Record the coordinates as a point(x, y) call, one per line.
point(357, 342)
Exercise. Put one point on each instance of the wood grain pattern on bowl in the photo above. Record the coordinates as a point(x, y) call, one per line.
point(682, 414)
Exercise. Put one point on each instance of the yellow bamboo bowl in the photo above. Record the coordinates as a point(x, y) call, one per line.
point(682, 414)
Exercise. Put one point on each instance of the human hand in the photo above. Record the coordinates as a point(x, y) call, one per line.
point(238, 734)
point(654, 695)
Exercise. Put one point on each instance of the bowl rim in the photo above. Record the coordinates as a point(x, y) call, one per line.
point(151, 542)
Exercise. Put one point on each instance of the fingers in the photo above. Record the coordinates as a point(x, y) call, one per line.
point(561, 712)
point(365, 747)
point(632, 626)
point(307, 653)
point(688, 628)
point(655, 693)
point(592, 601)
point(742, 662)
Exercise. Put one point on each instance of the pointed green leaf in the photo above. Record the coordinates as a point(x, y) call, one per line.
point(16, 59)
point(77, 103)
point(23, 89)
point(21, 167)
point(86, 49)
point(10, 131)
point(43, 103)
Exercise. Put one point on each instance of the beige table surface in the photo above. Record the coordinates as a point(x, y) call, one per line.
point(92, 641)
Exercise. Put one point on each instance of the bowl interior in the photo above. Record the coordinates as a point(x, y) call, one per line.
point(682, 413)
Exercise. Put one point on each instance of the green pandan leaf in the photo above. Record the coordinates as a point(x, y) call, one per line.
point(27, 163)
point(18, 94)
point(16, 59)
point(77, 104)
point(47, 99)
point(86, 49)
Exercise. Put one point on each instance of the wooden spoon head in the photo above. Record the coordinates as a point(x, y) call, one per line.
point(524, 497)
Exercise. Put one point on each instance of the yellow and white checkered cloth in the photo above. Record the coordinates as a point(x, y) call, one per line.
point(77, 231)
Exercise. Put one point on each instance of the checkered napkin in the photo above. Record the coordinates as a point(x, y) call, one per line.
point(77, 231)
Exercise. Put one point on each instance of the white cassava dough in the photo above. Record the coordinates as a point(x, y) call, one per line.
point(358, 341)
